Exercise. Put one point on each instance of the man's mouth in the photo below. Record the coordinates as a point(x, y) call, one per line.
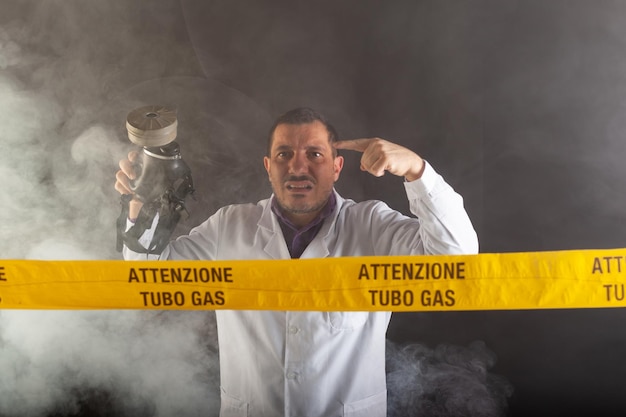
point(296, 184)
point(299, 187)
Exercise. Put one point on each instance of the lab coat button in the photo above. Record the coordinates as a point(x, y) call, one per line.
point(293, 329)
point(291, 375)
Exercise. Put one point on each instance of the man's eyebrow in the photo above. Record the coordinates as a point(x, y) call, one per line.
point(308, 147)
point(283, 148)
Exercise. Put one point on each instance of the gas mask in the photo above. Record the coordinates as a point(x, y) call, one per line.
point(163, 179)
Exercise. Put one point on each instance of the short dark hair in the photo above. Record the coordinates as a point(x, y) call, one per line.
point(301, 116)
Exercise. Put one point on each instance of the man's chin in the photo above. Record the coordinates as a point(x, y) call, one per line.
point(300, 210)
point(300, 207)
point(300, 203)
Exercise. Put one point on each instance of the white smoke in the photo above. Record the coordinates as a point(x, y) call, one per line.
point(447, 381)
point(125, 363)
point(44, 162)
point(61, 135)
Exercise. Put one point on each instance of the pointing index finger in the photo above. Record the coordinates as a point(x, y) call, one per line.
point(359, 145)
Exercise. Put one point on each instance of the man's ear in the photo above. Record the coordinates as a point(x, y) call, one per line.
point(338, 166)
point(266, 164)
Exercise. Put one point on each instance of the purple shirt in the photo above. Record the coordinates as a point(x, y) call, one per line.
point(298, 239)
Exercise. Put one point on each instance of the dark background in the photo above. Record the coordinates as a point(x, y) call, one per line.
point(519, 104)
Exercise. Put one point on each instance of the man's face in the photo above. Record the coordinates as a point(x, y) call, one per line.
point(302, 169)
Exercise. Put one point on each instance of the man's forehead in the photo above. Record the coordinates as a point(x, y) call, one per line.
point(309, 135)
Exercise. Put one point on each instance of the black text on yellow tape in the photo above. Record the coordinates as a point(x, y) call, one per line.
point(532, 280)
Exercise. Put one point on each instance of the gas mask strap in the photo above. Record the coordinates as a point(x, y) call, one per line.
point(121, 221)
point(131, 237)
point(171, 208)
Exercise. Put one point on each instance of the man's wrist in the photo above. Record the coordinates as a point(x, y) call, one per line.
point(134, 208)
point(417, 173)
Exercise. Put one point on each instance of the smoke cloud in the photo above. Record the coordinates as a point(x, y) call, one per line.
point(122, 363)
point(164, 363)
point(447, 381)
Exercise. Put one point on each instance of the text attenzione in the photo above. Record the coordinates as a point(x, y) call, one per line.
point(180, 275)
point(413, 271)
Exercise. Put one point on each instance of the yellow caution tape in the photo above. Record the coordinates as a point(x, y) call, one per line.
point(533, 280)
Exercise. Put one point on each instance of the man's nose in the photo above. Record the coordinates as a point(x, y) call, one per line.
point(298, 164)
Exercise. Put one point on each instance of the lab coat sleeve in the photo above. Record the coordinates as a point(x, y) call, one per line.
point(445, 227)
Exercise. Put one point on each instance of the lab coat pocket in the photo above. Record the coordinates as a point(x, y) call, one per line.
point(232, 407)
point(373, 406)
point(346, 320)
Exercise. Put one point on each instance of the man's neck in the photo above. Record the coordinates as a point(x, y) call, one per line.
point(298, 237)
point(301, 220)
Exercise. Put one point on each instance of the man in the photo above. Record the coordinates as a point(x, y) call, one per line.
point(281, 363)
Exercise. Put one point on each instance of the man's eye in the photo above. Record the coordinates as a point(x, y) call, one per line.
point(316, 154)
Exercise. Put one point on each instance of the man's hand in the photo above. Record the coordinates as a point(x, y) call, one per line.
point(380, 155)
point(122, 183)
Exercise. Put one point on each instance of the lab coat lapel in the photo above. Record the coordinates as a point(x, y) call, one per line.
point(276, 246)
point(318, 248)
point(271, 236)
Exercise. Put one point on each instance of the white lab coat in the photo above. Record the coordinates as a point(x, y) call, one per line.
point(276, 363)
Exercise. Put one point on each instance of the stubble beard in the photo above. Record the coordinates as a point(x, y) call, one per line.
point(295, 208)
